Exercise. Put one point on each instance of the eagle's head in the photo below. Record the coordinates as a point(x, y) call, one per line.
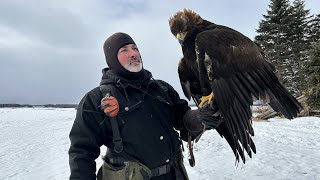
point(183, 23)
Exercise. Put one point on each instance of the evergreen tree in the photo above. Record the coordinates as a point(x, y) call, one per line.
point(273, 38)
point(313, 65)
point(314, 76)
point(299, 46)
point(285, 36)
point(314, 33)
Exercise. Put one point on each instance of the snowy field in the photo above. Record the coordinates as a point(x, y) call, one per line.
point(34, 144)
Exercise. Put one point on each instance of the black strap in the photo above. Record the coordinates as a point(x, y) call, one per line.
point(190, 147)
point(161, 85)
point(161, 170)
point(117, 140)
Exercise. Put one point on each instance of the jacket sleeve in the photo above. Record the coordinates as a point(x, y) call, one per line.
point(180, 108)
point(86, 138)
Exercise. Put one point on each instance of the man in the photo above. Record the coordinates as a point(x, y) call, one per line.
point(147, 113)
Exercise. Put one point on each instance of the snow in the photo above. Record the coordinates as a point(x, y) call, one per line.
point(34, 144)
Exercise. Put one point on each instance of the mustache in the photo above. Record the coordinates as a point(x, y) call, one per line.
point(134, 59)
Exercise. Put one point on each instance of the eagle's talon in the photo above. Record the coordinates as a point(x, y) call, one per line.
point(206, 100)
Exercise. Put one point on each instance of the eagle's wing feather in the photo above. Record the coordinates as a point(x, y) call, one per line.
point(185, 83)
point(190, 86)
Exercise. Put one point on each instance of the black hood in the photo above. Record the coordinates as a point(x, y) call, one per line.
point(111, 47)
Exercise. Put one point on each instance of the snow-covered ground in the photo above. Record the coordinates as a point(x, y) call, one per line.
point(34, 145)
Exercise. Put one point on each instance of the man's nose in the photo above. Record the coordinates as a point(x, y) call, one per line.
point(134, 52)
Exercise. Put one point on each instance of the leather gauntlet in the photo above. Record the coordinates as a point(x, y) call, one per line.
point(196, 121)
point(192, 123)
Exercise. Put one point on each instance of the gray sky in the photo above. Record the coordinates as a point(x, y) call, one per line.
point(51, 51)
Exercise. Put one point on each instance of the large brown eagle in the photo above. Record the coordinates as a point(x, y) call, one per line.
point(220, 61)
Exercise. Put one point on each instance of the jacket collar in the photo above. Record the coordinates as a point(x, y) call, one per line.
point(108, 77)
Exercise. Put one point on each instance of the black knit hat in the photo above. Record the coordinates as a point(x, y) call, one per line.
point(111, 47)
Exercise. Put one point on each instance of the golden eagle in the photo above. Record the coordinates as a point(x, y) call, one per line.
point(221, 61)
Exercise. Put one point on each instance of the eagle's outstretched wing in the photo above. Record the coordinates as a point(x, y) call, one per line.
point(238, 72)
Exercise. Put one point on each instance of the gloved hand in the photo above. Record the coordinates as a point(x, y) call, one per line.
point(205, 118)
point(110, 106)
point(192, 123)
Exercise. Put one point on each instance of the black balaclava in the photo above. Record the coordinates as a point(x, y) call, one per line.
point(111, 47)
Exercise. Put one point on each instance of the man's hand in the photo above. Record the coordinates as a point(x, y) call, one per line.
point(110, 106)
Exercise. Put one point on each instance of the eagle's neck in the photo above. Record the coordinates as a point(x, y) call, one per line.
point(188, 48)
point(206, 25)
point(200, 27)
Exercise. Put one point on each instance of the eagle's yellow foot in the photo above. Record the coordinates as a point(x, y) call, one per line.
point(206, 99)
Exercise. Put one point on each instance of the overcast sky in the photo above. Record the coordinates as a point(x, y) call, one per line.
point(51, 50)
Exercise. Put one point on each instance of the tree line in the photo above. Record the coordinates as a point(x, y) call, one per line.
point(289, 35)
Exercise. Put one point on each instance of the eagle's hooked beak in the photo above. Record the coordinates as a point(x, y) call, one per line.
point(180, 37)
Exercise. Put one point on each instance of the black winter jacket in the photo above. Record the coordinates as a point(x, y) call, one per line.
point(150, 111)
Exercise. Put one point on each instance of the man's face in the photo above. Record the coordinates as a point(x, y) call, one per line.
point(129, 58)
